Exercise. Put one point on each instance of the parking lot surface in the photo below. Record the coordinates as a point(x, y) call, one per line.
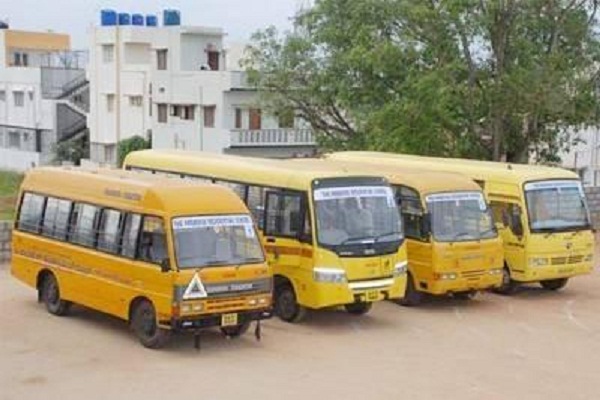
point(533, 345)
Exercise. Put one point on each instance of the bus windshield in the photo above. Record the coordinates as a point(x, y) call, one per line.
point(556, 205)
point(356, 214)
point(216, 240)
point(460, 216)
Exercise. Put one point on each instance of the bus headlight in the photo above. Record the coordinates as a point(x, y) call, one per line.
point(538, 261)
point(329, 275)
point(400, 268)
point(495, 271)
point(446, 276)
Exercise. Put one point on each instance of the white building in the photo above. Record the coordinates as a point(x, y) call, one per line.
point(34, 69)
point(584, 158)
point(182, 87)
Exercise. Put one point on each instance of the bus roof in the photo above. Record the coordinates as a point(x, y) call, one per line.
point(260, 171)
point(133, 191)
point(425, 182)
point(475, 169)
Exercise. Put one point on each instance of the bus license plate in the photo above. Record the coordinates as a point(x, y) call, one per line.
point(372, 295)
point(229, 319)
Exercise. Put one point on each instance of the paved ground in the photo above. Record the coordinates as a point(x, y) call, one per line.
point(535, 345)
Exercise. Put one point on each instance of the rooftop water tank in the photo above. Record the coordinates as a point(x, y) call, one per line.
point(151, 20)
point(137, 19)
point(171, 17)
point(108, 17)
point(124, 19)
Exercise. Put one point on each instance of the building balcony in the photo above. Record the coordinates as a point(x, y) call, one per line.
point(279, 137)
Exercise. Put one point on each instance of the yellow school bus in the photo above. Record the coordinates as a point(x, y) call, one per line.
point(163, 255)
point(323, 254)
point(452, 244)
point(540, 212)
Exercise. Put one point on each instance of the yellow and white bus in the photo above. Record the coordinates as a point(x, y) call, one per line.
point(163, 255)
point(323, 253)
point(452, 244)
point(540, 213)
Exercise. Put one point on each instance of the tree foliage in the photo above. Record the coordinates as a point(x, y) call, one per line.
point(477, 78)
point(128, 145)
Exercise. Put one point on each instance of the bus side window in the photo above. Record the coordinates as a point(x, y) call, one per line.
point(83, 224)
point(30, 215)
point(153, 247)
point(131, 232)
point(283, 215)
point(256, 203)
point(108, 232)
point(56, 218)
point(412, 212)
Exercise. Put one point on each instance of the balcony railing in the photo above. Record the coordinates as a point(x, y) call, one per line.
point(272, 137)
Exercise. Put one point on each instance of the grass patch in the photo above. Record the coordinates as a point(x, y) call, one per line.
point(9, 188)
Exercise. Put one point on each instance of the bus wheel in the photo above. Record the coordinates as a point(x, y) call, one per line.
point(286, 306)
point(508, 285)
point(235, 331)
point(358, 308)
point(554, 284)
point(412, 297)
point(50, 295)
point(143, 323)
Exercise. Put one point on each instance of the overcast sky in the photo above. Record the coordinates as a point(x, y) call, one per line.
point(239, 18)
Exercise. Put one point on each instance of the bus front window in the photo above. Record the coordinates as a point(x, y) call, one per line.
point(460, 216)
point(351, 215)
point(556, 205)
point(216, 240)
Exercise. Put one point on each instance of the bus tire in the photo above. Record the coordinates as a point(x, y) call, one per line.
point(235, 331)
point(412, 297)
point(358, 308)
point(508, 286)
point(144, 325)
point(286, 305)
point(50, 295)
point(554, 284)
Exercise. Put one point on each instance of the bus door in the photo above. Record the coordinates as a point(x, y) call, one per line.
point(284, 222)
point(508, 216)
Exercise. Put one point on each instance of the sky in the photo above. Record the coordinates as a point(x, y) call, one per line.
point(239, 18)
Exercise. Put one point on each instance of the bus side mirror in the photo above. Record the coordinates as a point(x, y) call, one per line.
point(516, 225)
point(165, 265)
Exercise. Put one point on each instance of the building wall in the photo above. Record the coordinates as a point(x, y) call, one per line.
point(585, 156)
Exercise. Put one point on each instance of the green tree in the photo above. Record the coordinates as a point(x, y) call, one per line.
point(128, 145)
point(476, 78)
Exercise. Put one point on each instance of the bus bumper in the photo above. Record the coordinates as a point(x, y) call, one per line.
point(323, 295)
point(485, 281)
point(536, 274)
point(195, 322)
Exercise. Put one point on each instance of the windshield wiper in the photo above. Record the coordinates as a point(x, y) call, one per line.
point(354, 239)
point(378, 237)
point(459, 234)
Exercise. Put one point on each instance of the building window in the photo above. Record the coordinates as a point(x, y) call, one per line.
point(19, 98)
point(238, 118)
point(17, 60)
point(209, 116)
point(187, 112)
point(161, 110)
point(255, 118)
point(108, 53)
point(213, 60)
point(2, 95)
point(25, 59)
point(175, 110)
point(30, 93)
point(161, 59)
point(110, 103)
point(136, 101)
point(286, 118)
point(14, 139)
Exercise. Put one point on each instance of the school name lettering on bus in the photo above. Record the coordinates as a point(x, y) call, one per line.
point(211, 222)
point(354, 191)
point(123, 195)
point(63, 263)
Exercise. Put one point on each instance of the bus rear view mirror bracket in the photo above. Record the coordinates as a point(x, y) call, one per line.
point(426, 226)
point(165, 265)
